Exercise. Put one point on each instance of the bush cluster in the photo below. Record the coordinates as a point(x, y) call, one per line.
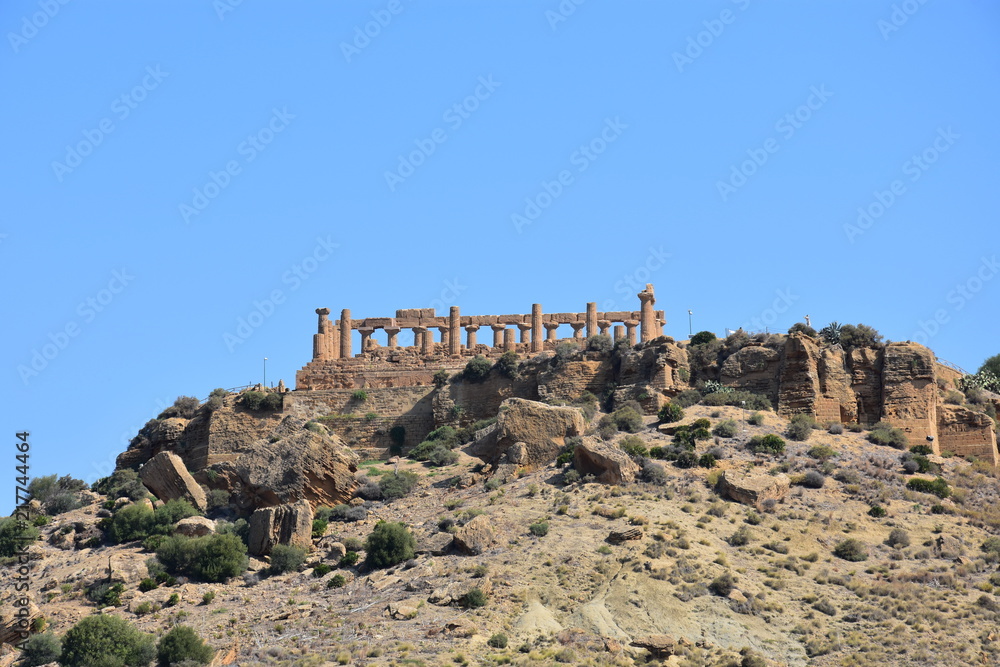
point(389, 544)
point(800, 427)
point(937, 486)
point(725, 429)
point(210, 558)
point(286, 558)
point(397, 485)
point(766, 444)
point(107, 641)
point(137, 521)
point(884, 434)
point(341, 513)
point(14, 535)
point(738, 398)
point(123, 483)
point(57, 495)
point(260, 401)
point(670, 413)
point(851, 550)
point(477, 370)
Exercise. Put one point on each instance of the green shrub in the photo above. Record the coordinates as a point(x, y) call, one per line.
point(821, 452)
point(349, 559)
point(627, 419)
point(632, 446)
point(686, 459)
point(991, 547)
point(767, 444)
point(725, 429)
point(851, 550)
point(756, 419)
point(321, 569)
point(182, 644)
point(860, 335)
point(937, 486)
point(442, 456)
point(723, 585)
point(41, 649)
point(877, 512)
point(706, 461)
point(147, 584)
point(702, 337)
point(441, 378)
point(319, 528)
point(359, 395)
point(216, 399)
point(923, 450)
point(670, 413)
point(106, 641)
point(738, 398)
point(507, 364)
point(741, 537)
point(208, 597)
point(884, 434)
point(801, 327)
point(600, 343)
point(15, 535)
point(800, 427)
point(499, 640)
point(475, 598)
point(389, 544)
point(814, 479)
point(898, 538)
point(121, 483)
point(173, 600)
point(261, 401)
point(397, 485)
point(477, 369)
point(210, 558)
point(539, 529)
point(105, 594)
point(686, 398)
point(337, 581)
point(287, 558)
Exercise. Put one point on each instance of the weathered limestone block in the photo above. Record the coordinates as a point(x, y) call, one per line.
point(476, 536)
point(283, 524)
point(966, 432)
point(605, 461)
point(753, 488)
point(753, 368)
point(866, 382)
point(909, 390)
point(542, 428)
point(195, 526)
point(128, 569)
point(619, 536)
point(661, 646)
point(799, 380)
point(168, 478)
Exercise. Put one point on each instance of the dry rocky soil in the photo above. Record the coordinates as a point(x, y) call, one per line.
point(714, 575)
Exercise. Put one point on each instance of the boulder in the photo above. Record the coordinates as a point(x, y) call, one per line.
point(475, 537)
point(619, 536)
point(605, 461)
point(753, 488)
point(282, 524)
point(195, 526)
point(435, 544)
point(661, 646)
point(127, 569)
point(168, 478)
point(527, 434)
point(336, 551)
point(403, 610)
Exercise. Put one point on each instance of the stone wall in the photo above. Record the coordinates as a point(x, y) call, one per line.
point(966, 432)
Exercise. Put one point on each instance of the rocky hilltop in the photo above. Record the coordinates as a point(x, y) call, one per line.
point(758, 500)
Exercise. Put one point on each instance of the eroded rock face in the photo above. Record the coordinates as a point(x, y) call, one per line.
point(909, 390)
point(529, 431)
point(301, 465)
point(475, 537)
point(168, 478)
point(966, 432)
point(283, 524)
point(753, 488)
point(605, 461)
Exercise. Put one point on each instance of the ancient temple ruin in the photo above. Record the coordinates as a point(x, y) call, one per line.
point(448, 341)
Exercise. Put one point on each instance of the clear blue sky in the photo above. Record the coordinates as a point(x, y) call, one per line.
point(167, 165)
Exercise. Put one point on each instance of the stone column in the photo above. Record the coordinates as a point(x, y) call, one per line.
point(647, 318)
point(578, 329)
point(392, 333)
point(660, 323)
point(470, 331)
point(455, 334)
point(498, 330)
point(320, 347)
point(525, 329)
point(424, 340)
point(550, 330)
point(619, 333)
point(345, 334)
point(591, 320)
point(536, 327)
point(604, 326)
point(366, 335)
point(445, 336)
point(508, 341)
point(630, 326)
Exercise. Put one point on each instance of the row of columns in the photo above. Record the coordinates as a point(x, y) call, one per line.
point(337, 345)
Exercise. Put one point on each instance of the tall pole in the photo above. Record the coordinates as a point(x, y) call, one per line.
point(690, 329)
point(265, 372)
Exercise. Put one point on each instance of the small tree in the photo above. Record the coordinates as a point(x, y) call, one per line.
point(477, 369)
point(702, 337)
point(600, 343)
point(14, 535)
point(389, 544)
point(287, 558)
point(507, 365)
point(41, 649)
point(107, 641)
point(669, 413)
point(183, 644)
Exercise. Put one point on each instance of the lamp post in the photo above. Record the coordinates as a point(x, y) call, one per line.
point(265, 372)
point(690, 329)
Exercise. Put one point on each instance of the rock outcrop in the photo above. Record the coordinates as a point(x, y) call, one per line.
point(605, 461)
point(283, 524)
point(527, 434)
point(966, 432)
point(195, 526)
point(753, 488)
point(168, 478)
point(476, 536)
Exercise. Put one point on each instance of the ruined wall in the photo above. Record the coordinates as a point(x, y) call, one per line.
point(966, 433)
